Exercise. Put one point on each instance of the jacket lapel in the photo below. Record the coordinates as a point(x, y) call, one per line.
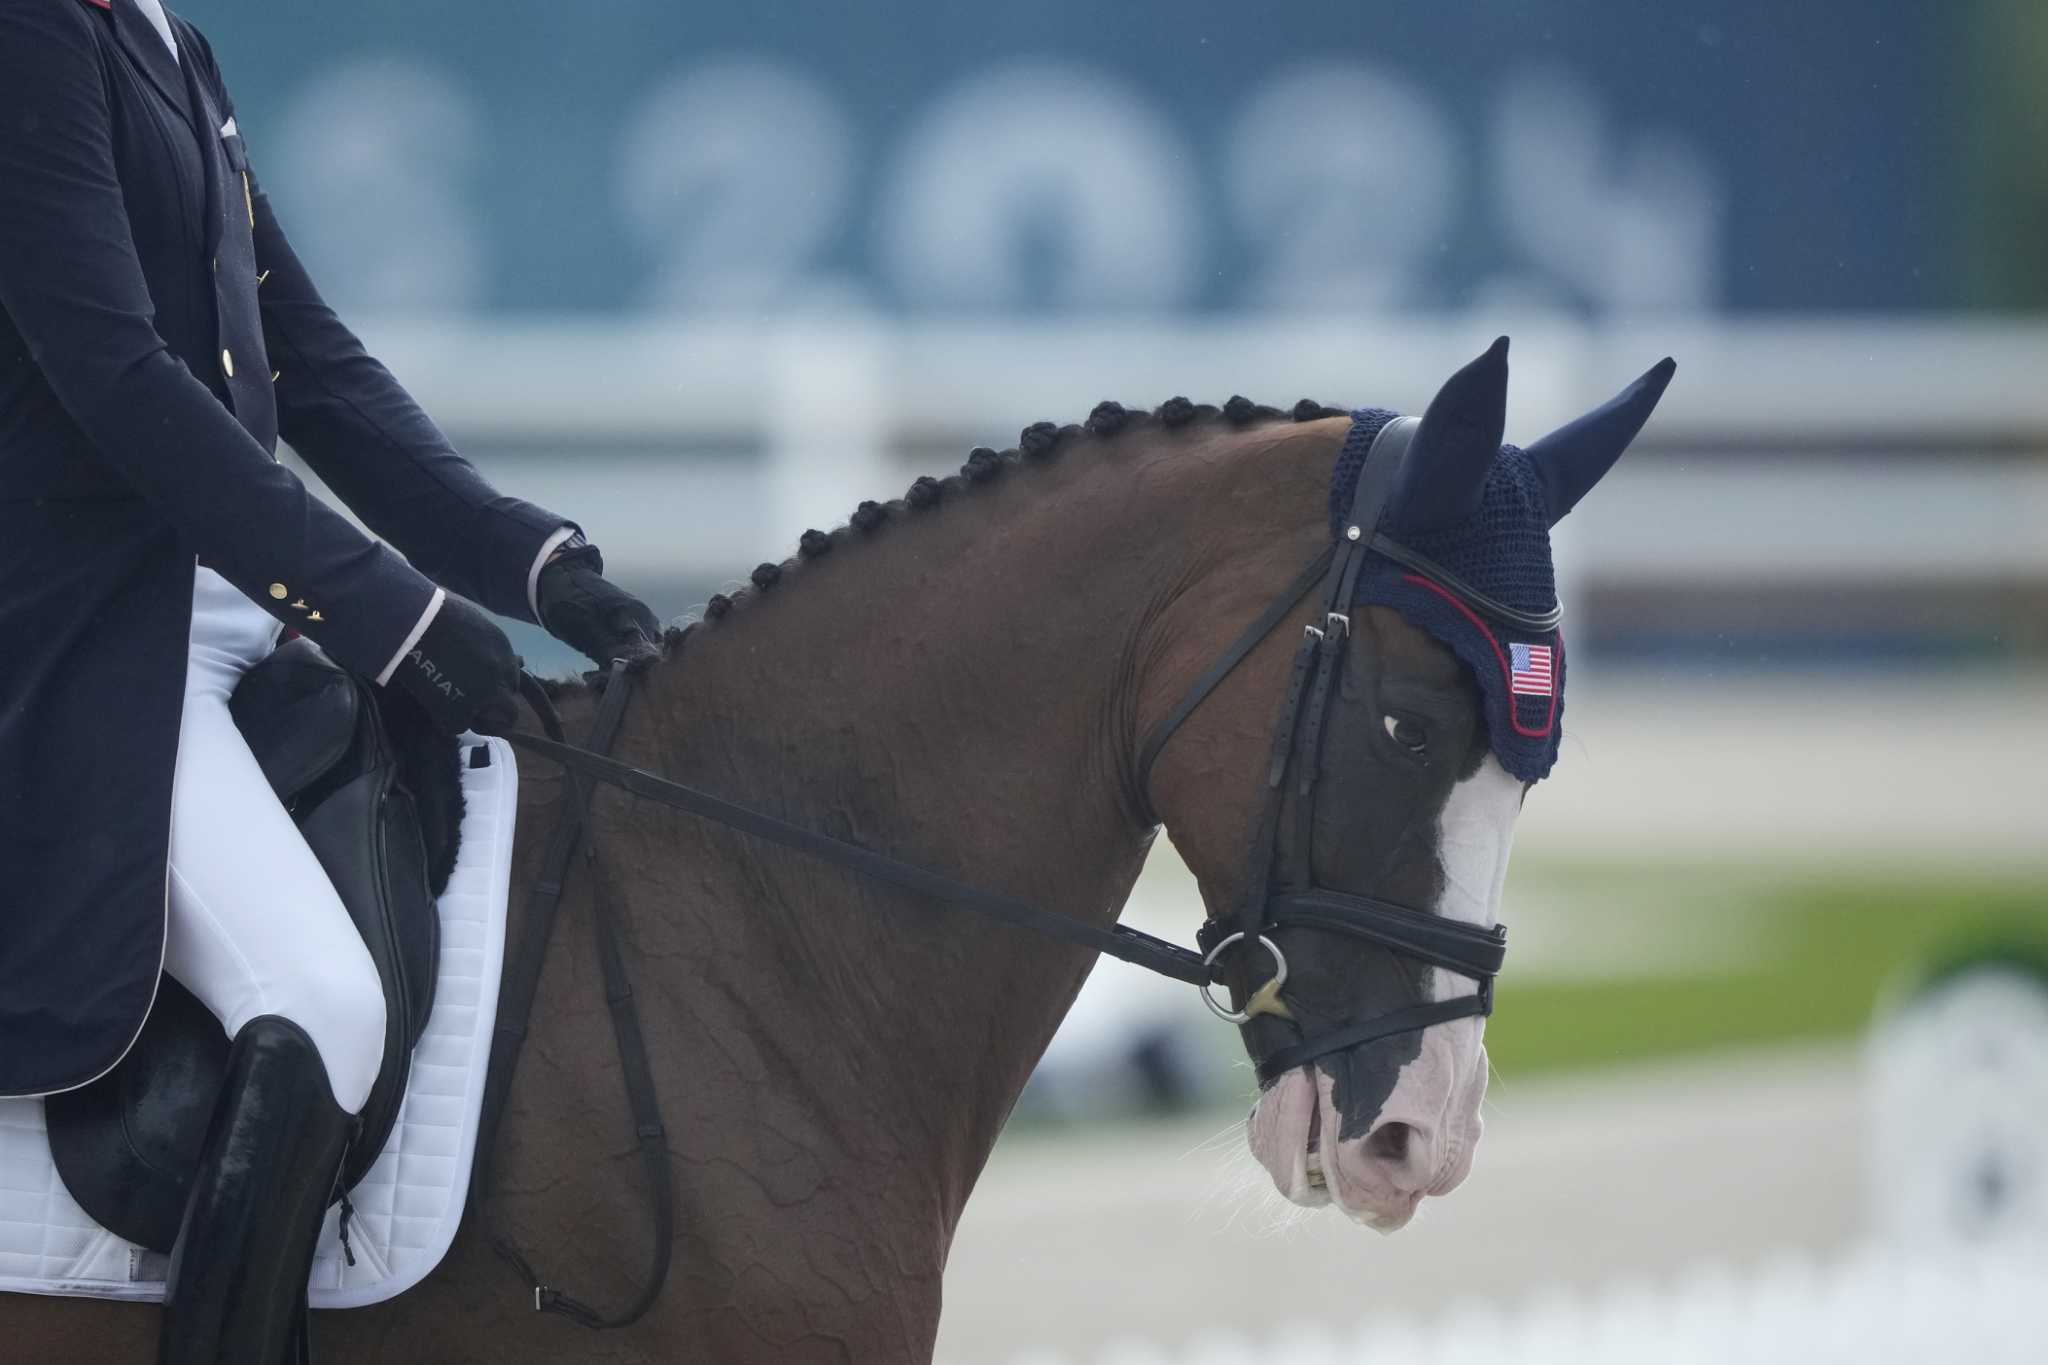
point(139, 38)
point(210, 156)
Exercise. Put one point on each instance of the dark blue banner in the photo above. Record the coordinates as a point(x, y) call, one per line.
point(1076, 156)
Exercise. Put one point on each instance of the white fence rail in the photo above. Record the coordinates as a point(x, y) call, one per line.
point(701, 449)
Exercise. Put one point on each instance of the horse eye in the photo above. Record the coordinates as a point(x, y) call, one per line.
point(1406, 733)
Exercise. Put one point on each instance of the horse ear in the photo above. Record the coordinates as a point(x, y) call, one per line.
point(1572, 459)
point(1444, 473)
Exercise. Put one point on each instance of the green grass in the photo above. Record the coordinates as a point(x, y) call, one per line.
point(1817, 951)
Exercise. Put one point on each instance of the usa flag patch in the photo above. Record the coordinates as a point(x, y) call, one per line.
point(1530, 671)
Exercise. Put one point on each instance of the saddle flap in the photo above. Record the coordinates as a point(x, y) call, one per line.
point(128, 1144)
point(366, 834)
point(298, 711)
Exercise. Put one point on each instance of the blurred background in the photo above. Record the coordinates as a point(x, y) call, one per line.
point(1771, 1055)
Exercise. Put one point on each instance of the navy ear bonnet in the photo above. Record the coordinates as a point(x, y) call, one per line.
point(1460, 537)
point(1502, 548)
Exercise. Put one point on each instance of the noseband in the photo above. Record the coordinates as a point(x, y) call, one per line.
point(1274, 902)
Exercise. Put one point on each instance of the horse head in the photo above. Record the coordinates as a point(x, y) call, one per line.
point(1422, 703)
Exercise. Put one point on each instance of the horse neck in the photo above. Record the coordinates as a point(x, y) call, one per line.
point(961, 688)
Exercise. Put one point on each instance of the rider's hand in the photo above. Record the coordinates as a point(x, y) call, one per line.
point(463, 671)
point(603, 620)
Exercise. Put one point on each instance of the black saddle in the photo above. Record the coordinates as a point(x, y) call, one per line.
point(378, 797)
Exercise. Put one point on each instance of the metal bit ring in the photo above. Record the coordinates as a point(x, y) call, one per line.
point(1272, 986)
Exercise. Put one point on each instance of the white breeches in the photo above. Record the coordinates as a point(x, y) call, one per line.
point(255, 926)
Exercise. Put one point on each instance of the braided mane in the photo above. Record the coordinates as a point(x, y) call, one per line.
point(1039, 441)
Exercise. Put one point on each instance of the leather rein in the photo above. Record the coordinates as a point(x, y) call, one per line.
point(1298, 904)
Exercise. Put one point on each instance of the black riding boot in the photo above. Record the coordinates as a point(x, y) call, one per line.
point(245, 1246)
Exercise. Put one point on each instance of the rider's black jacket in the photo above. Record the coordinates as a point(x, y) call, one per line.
point(157, 336)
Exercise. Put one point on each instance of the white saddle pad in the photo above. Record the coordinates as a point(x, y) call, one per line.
point(409, 1203)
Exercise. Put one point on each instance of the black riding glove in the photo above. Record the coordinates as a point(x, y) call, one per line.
point(463, 671)
point(602, 619)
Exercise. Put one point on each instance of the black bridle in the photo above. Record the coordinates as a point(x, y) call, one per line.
point(1272, 902)
point(1277, 898)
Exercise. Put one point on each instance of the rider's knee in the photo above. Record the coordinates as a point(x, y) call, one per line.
point(340, 1003)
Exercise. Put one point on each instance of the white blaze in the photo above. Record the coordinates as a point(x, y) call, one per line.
point(1475, 834)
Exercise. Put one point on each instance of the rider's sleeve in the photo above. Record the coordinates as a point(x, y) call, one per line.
point(358, 428)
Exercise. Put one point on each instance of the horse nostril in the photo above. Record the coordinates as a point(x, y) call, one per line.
point(1389, 1143)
